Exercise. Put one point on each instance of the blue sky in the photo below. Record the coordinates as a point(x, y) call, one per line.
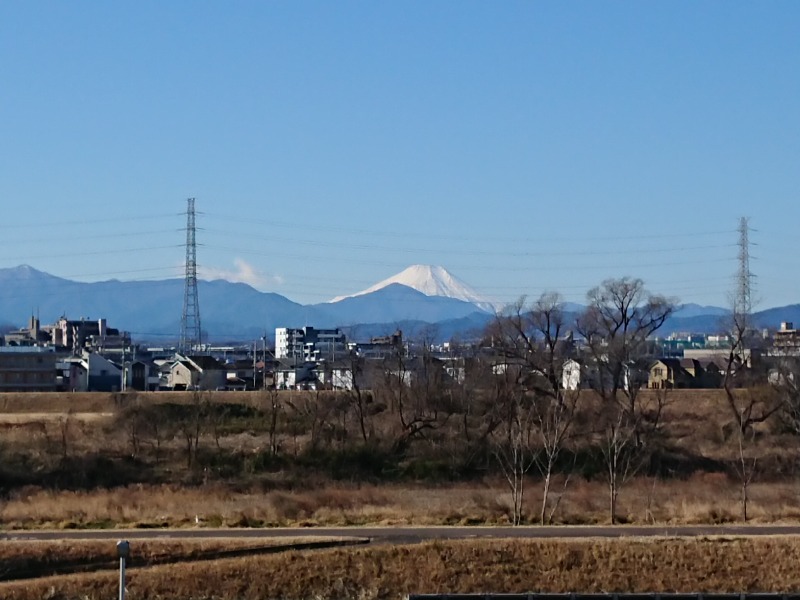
point(524, 146)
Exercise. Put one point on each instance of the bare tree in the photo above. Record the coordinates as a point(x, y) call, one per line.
point(190, 425)
point(416, 392)
point(475, 398)
point(311, 413)
point(785, 381)
point(129, 416)
point(554, 420)
point(270, 401)
point(532, 342)
point(514, 446)
point(750, 402)
point(356, 396)
point(621, 315)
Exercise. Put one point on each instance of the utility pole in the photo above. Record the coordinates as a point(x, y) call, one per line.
point(191, 333)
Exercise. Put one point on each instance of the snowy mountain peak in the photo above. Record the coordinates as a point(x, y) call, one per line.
point(431, 280)
point(24, 272)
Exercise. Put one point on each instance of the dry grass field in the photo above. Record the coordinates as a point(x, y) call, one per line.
point(391, 572)
point(86, 402)
point(107, 460)
point(25, 559)
point(700, 499)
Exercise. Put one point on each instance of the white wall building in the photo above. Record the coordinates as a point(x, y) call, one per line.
point(309, 344)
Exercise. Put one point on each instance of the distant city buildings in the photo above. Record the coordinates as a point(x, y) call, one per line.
point(88, 355)
point(71, 335)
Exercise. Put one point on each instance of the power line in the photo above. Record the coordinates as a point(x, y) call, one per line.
point(138, 234)
point(463, 252)
point(380, 232)
point(116, 220)
point(468, 267)
point(92, 252)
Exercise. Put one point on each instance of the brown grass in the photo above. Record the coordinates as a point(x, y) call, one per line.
point(25, 556)
point(63, 402)
point(738, 565)
point(704, 498)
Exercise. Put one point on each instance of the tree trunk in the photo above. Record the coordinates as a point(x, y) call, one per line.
point(744, 500)
point(545, 495)
point(612, 489)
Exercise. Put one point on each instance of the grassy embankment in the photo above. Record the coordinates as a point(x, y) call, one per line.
point(766, 565)
point(34, 559)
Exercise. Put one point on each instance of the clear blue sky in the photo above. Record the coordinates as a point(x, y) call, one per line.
point(522, 145)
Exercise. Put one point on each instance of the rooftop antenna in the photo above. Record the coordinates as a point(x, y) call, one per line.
point(191, 334)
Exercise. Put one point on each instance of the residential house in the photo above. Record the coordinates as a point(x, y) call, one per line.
point(456, 368)
point(415, 369)
point(89, 372)
point(196, 372)
point(242, 374)
point(587, 373)
point(336, 375)
point(713, 372)
point(578, 374)
point(677, 373)
point(291, 375)
point(668, 373)
point(142, 376)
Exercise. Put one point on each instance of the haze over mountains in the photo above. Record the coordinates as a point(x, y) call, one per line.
point(411, 300)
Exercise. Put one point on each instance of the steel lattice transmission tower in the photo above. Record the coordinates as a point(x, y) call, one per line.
point(742, 302)
point(191, 333)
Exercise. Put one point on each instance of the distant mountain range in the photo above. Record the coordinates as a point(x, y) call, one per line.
point(229, 311)
point(421, 299)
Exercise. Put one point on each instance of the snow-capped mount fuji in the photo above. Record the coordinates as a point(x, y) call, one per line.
point(430, 280)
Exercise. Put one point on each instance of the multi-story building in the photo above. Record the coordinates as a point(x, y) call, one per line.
point(33, 335)
point(786, 340)
point(27, 369)
point(309, 344)
point(90, 334)
point(380, 347)
point(74, 335)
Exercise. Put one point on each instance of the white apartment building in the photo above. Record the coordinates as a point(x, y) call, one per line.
point(309, 344)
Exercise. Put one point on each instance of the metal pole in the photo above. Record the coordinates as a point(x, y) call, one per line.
point(122, 578)
point(123, 551)
point(264, 367)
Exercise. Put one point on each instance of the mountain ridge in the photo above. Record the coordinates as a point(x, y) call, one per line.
point(150, 309)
